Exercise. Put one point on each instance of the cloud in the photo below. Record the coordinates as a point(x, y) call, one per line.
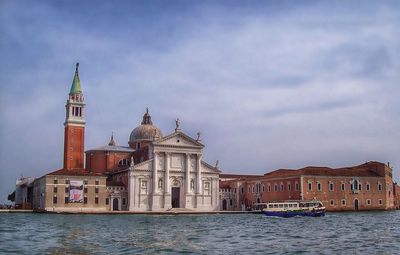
point(268, 85)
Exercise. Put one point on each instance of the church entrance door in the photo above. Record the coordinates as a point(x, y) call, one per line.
point(115, 204)
point(224, 204)
point(175, 197)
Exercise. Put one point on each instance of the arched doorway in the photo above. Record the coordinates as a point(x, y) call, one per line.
point(356, 204)
point(115, 204)
point(224, 204)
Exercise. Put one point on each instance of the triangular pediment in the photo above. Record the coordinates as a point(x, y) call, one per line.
point(208, 168)
point(178, 139)
point(144, 166)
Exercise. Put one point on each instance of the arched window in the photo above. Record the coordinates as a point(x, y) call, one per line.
point(123, 162)
point(160, 183)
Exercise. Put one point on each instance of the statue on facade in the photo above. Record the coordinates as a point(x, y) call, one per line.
point(198, 137)
point(217, 164)
point(132, 162)
point(177, 123)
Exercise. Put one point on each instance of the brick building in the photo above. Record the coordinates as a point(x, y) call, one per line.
point(367, 186)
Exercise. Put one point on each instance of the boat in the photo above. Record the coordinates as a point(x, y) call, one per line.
point(313, 208)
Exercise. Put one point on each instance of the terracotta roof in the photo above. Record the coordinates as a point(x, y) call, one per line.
point(360, 170)
point(224, 185)
point(238, 176)
point(114, 183)
point(74, 172)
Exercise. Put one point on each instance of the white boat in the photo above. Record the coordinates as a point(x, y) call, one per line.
point(287, 209)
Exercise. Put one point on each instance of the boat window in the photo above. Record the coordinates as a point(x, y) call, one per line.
point(270, 206)
point(281, 206)
point(290, 205)
point(275, 206)
point(285, 205)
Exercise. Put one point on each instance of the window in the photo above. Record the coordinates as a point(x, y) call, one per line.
point(123, 162)
point(96, 190)
point(368, 202)
point(123, 201)
point(207, 188)
point(380, 201)
point(143, 187)
point(230, 202)
point(242, 190)
point(289, 186)
point(276, 187)
point(85, 190)
point(249, 189)
point(332, 202)
point(296, 186)
point(319, 186)
point(331, 186)
point(107, 201)
point(368, 187)
point(192, 185)
point(343, 186)
point(309, 186)
point(354, 185)
point(379, 186)
point(359, 186)
point(66, 190)
point(138, 146)
point(263, 189)
point(55, 181)
point(97, 182)
point(55, 200)
point(281, 186)
point(85, 200)
point(55, 189)
point(67, 181)
point(269, 187)
point(343, 201)
point(96, 200)
point(160, 183)
point(66, 200)
point(85, 182)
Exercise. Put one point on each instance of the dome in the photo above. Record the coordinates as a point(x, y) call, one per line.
point(146, 131)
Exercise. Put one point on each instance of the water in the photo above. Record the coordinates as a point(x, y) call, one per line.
point(336, 233)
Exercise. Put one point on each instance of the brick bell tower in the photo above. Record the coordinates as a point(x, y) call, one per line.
point(74, 135)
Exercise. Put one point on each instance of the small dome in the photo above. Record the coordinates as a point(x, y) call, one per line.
point(146, 131)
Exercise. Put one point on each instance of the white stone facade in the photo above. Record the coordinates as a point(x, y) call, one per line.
point(174, 177)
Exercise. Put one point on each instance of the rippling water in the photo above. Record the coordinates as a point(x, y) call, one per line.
point(336, 233)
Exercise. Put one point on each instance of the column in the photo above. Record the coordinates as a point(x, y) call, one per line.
point(131, 191)
point(199, 200)
point(199, 183)
point(156, 195)
point(187, 183)
point(167, 188)
point(155, 181)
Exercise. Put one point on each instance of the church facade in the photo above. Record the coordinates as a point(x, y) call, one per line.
point(153, 173)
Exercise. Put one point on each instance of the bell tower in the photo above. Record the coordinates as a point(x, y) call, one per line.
point(74, 131)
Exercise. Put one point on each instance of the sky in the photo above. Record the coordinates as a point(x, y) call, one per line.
point(269, 84)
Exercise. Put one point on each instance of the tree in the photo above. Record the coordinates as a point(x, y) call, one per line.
point(11, 196)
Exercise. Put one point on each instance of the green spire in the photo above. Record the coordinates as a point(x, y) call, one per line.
point(76, 84)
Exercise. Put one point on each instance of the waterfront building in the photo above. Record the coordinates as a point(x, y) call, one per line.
point(367, 186)
point(153, 173)
point(24, 193)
